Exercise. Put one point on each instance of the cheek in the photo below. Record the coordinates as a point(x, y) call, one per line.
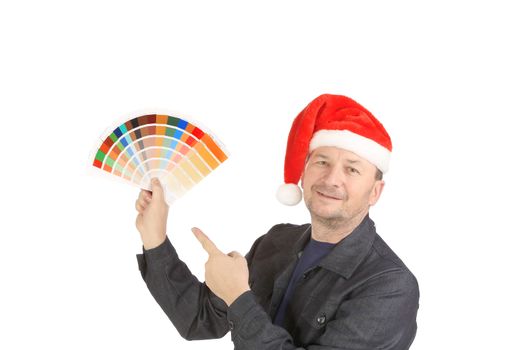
point(356, 191)
point(306, 185)
point(308, 179)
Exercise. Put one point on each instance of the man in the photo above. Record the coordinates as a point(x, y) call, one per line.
point(331, 284)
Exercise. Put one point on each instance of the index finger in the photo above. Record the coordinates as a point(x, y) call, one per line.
point(145, 194)
point(207, 244)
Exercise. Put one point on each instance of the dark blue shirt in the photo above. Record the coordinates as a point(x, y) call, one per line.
point(312, 254)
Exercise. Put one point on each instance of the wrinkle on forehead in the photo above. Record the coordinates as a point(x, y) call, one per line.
point(348, 156)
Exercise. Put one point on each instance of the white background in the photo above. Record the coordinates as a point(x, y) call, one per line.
point(446, 79)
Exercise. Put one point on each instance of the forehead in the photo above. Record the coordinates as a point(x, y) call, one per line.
point(335, 152)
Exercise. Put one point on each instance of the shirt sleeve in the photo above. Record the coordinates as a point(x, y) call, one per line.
point(382, 318)
point(191, 306)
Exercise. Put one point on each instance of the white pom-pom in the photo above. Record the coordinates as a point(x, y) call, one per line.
point(289, 194)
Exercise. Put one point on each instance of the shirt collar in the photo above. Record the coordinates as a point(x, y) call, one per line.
point(349, 252)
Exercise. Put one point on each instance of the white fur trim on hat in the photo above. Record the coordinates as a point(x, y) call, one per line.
point(360, 145)
point(289, 194)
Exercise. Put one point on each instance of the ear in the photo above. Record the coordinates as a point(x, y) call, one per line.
point(304, 170)
point(376, 191)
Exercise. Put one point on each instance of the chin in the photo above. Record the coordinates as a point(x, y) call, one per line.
point(325, 212)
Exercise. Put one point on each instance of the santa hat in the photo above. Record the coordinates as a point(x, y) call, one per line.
point(332, 120)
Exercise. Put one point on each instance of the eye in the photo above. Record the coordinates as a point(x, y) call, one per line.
point(321, 162)
point(351, 170)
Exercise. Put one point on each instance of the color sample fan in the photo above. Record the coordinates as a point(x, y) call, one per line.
point(177, 152)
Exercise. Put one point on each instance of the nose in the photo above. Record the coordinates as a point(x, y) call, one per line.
point(334, 176)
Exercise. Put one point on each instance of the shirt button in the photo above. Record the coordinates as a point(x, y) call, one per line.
point(321, 320)
point(231, 325)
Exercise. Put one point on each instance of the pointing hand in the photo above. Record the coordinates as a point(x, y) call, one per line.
point(225, 274)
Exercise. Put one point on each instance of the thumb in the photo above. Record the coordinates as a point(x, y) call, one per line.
point(156, 188)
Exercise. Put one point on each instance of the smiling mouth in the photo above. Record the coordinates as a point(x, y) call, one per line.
point(327, 196)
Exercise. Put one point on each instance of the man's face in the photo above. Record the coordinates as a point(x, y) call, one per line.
point(339, 186)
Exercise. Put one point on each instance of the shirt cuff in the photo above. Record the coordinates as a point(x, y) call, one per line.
point(157, 257)
point(241, 311)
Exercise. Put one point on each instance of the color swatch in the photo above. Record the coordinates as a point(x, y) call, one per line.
point(176, 151)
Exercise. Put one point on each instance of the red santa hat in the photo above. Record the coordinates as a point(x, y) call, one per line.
point(332, 120)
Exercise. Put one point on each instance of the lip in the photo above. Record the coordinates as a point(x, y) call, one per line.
point(327, 196)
